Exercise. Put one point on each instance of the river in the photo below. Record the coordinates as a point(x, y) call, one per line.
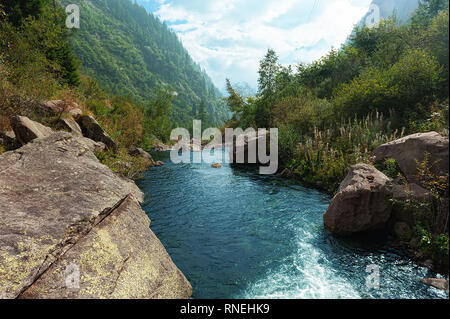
point(237, 234)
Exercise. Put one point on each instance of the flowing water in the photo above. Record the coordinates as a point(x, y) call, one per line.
point(237, 234)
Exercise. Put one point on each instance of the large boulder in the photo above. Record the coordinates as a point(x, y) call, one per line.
point(27, 130)
point(410, 149)
point(362, 203)
point(91, 129)
point(245, 148)
point(71, 228)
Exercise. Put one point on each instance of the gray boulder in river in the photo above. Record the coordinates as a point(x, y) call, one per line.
point(71, 228)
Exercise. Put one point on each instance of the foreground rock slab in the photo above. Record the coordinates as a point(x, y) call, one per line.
point(71, 228)
point(406, 151)
point(362, 203)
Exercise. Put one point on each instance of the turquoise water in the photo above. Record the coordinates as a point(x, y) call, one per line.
point(237, 234)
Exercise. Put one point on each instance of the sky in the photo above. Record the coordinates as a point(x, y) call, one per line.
point(228, 38)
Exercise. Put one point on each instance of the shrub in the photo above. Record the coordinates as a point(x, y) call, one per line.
point(432, 217)
point(323, 158)
point(412, 80)
point(390, 168)
point(123, 163)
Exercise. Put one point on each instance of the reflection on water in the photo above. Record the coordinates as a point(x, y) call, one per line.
point(237, 234)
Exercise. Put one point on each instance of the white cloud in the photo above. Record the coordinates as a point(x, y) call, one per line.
point(229, 37)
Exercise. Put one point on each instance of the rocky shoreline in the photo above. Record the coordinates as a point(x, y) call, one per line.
point(369, 202)
point(70, 227)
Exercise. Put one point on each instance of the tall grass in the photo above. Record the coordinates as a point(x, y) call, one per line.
point(323, 158)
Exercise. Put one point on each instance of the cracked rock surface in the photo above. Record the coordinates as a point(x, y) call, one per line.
point(71, 228)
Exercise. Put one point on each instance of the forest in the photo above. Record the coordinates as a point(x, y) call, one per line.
point(132, 53)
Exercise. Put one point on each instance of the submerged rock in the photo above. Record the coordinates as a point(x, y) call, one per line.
point(362, 203)
point(410, 149)
point(71, 228)
point(217, 165)
point(27, 130)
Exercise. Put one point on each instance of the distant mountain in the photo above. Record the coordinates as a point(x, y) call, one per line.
point(132, 53)
point(385, 9)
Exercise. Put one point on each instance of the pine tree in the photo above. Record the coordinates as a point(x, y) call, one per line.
point(427, 10)
point(267, 82)
point(268, 71)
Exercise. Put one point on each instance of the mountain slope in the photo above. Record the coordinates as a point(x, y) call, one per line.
point(132, 53)
point(401, 9)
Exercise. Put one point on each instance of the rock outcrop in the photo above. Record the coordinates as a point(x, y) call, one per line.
point(410, 149)
point(91, 129)
point(72, 126)
point(27, 130)
point(60, 106)
point(441, 284)
point(139, 152)
point(362, 203)
point(71, 228)
point(160, 146)
point(8, 139)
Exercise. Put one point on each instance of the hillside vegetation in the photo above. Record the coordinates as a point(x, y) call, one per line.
point(123, 66)
point(134, 54)
point(37, 64)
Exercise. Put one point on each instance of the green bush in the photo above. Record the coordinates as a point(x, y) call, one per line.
point(413, 80)
point(123, 163)
point(390, 168)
